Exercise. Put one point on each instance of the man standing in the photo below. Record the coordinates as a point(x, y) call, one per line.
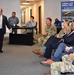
point(58, 25)
point(3, 22)
point(57, 22)
point(13, 21)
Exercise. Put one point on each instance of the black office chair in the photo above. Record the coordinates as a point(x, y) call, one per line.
point(36, 28)
point(58, 29)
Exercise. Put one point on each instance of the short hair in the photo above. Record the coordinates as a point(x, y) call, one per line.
point(14, 12)
point(56, 19)
point(67, 21)
point(49, 19)
point(1, 9)
point(32, 17)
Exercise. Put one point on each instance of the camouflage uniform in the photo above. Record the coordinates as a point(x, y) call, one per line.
point(64, 66)
point(68, 30)
point(51, 30)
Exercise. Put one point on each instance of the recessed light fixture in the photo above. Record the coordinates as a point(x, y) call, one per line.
point(22, 6)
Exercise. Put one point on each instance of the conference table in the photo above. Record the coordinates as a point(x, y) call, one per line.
point(21, 39)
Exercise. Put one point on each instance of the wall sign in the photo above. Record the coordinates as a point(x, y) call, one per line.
point(67, 10)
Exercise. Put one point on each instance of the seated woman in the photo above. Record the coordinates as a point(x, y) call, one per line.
point(65, 66)
point(66, 30)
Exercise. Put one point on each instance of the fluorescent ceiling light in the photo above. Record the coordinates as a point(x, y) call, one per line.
point(25, 3)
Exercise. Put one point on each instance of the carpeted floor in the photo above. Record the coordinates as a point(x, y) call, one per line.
point(20, 60)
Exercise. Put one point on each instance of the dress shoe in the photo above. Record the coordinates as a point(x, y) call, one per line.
point(1, 51)
point(35, 52)
point(41, 56)
point(47, 73)
point(45, 64)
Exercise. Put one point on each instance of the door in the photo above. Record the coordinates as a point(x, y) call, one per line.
point(24, 17)
point(30, 12)
point(40, 23)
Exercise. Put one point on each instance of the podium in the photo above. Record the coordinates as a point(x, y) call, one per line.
point(21, 39)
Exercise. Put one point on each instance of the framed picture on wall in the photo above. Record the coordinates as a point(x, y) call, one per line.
point(67, 10)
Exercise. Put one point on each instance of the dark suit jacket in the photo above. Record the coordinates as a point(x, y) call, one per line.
point(69, 40)
point(4, 24)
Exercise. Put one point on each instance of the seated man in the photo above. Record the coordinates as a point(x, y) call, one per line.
point(65, 30)
point(50, 30)
point(30, 23)
point(65, 66)
point(60, 51)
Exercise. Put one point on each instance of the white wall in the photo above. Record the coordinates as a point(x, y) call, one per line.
point(9, 6)
point(52, 8)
